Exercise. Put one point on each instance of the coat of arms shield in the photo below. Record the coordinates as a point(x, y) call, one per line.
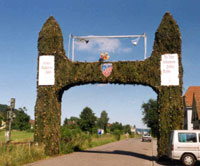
point(106, 69)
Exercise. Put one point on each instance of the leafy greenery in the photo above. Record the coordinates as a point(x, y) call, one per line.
point(150, 112)
point(65, 122)
point(117, 134)
point(3, 111)
point(102, 122)
point(1, 120)
point(87, 120)
point(21, 121)
point(116, 126)
point(72, 139)
point(127, 129)
point(75, 139)
point(72, 122)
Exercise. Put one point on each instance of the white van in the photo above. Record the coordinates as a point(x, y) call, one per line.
point(185, 146)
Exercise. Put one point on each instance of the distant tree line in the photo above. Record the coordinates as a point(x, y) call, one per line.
point(20, 117)
point(88, 122)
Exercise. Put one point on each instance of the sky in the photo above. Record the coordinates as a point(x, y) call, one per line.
point(22, 20)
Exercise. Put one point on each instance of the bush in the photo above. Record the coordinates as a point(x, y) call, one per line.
point(132, 135)
point(117, 134)
point(72, 140)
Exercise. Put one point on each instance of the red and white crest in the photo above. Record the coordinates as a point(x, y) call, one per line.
point(106, 69)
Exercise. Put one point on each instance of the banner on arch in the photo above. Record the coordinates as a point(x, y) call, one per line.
point(169, 70)
point(46, 70)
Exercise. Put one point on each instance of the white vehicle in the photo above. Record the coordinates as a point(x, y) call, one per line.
point(184, 145)
point(146, 137)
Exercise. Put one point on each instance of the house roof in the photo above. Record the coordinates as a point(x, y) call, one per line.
point(188, 97)
point(31, 121)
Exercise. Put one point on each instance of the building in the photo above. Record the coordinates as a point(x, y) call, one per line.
point(196, 110)
point(32, 123)
point(189, 106)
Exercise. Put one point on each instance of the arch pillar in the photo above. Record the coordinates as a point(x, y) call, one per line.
point(171, 115)
point(48, 118)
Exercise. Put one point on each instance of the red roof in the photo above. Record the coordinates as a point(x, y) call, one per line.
point(31, 121)
point(188, 97)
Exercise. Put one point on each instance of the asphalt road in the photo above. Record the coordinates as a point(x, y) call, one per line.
point(130, 152)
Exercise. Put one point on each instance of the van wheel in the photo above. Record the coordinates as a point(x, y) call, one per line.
point(188, 160)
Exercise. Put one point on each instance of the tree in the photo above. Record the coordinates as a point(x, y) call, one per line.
point(72, 122)
point(116, 126)
point(127, 129)
point(21, 121)
point(74, 119)
point(1, 119)
point(103, 121)
point(65, 123)
point(150, 113)
point(87, 120)
point(3, 110)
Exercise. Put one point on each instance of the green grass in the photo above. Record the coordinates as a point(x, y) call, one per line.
point(17, 136)
point(102, 140)
point(17, 155)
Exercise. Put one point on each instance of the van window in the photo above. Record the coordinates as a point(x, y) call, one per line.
point(187, 137)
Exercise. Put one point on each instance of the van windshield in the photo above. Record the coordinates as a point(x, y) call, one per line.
point(146, 134)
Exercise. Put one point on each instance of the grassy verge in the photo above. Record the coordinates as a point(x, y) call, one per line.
point(17, 136)
point(17, 155)
point(76, 140)
point(99, 140)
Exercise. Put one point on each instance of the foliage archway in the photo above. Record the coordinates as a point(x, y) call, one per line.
point(69, 74)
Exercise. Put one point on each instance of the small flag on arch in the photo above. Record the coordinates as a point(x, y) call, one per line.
point(106, 69)
point(135, 41)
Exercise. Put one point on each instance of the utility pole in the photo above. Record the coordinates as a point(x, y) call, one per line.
point(10, 119)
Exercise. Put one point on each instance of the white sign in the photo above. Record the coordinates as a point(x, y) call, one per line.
point(169, 70)
point(46, 70)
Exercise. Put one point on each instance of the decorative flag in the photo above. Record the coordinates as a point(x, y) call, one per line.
point(106, 69)
point(135, 41)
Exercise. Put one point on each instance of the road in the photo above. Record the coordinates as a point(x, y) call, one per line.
point(130, 152)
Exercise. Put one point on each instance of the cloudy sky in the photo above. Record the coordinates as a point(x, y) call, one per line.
point(22, 20)
point(117, 48)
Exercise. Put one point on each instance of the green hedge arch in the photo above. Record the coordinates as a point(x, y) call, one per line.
point(69, 74)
